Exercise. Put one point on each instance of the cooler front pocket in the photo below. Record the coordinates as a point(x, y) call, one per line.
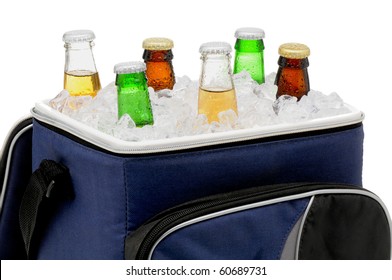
point(297, 221)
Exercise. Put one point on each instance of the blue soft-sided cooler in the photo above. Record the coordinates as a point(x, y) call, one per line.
point(118, 186)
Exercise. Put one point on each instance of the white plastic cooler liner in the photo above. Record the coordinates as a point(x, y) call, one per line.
point(44, 113)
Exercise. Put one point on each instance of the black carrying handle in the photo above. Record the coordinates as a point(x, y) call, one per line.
point(48, 186)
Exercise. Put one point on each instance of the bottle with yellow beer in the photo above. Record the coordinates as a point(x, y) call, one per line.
point(80, 74)
point(216, 88)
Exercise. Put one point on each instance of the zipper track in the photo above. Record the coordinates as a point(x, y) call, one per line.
point(173, 217)
point(45, 114)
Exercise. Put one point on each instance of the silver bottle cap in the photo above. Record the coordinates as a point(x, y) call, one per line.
point(129, 67)
point(215, 48)
point(249, 33)
point(78, 36)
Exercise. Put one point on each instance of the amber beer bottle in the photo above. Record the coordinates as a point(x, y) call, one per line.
point(158, 58)
point(292, 77)
point(80, 74)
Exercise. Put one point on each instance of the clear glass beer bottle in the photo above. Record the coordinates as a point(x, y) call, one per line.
point(80, 74)
point(158, 58)
point(249, 52)
point(292, 77)
point(216, 88)
point(132, 92)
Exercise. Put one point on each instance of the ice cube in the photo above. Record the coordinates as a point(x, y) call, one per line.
point(228, 119)
point(288, 109)
point(123, 129)
point(59, 101)
point(200, 124)
point(105, 100)
point(268, 89)
point(125, 122)
point(75, 103)
point(243, 83)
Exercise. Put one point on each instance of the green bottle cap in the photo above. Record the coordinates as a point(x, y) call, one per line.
point(78, 36)
point(249, 33)
point(215, 48)
point(129, 67)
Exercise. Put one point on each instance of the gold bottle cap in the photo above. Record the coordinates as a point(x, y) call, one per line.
point(294, 50)
point(158, 44)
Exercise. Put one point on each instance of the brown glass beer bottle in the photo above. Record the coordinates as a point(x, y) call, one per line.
point(158, 58)
point(292, 77)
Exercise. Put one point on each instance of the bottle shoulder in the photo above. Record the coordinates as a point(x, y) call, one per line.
point(157, 55)
point(249, 45)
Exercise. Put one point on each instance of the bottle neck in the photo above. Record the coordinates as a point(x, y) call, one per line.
point(293, 63)
point(158, 55)
point(131, 80)
point(242, 45)
point(216, 72)
point(79, 58)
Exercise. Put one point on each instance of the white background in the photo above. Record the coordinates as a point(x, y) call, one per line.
point(350, 44)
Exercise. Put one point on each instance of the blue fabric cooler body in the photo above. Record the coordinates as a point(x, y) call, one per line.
point(114, 194)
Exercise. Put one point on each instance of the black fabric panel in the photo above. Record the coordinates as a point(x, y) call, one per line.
point(345, 226)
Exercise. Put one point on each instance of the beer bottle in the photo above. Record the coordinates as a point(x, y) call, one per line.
point(216, 89)
point(292, 77)
point(80, 74)
point(249, 52)
point(133, 98)
point(158, 58)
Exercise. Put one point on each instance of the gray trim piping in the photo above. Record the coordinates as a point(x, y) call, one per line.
point(7, 168)
point(288, 251)
point(302, 226)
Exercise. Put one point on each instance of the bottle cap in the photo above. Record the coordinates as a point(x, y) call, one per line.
point(129, 67)
point(77, 36)
point(158, 44)
point(249, 33)
point(294, 50)
point(215, 48)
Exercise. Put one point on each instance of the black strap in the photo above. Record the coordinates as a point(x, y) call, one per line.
point(48, 185)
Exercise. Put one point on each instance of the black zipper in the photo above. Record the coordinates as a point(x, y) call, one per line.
point(139, 244)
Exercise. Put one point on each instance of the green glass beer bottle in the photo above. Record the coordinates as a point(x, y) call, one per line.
point(249, 52)
point(133, 97)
